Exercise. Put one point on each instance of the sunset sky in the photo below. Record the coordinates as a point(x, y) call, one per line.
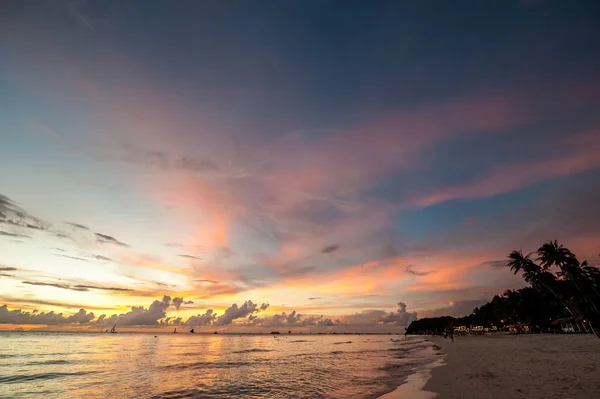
point(319, 164)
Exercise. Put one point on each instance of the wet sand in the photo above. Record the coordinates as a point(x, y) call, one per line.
point(517, 366)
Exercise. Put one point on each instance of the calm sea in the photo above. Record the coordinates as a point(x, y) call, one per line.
point(127, 365)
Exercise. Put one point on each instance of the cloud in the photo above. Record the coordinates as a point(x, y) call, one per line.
point(104, 239)
point(236, 312)
point(456, 308)
point(78, 226)
point(292, 319)
point(188, 302)
point(379, 317)
point(72, 257)
point(78, 287)
point(102, 258)
point(177, 302)
point(207, 281)
point(14, 235)
point(103, 288)
point(189, 256)
point(7, 269)
point(55, 285)
point(49, 318)
point(494, 264)
point(314, 298)
point(14, 215)
point(138, 315)
point(409, 269)
point(205, 319)
point(330, 248)
point(400, 317)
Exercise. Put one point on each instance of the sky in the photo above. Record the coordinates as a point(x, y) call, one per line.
point(312, 165)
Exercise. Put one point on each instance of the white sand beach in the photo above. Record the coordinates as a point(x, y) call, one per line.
point(523, 366)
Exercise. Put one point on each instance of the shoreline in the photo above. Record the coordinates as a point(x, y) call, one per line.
point(413, 386)
point(532, 366)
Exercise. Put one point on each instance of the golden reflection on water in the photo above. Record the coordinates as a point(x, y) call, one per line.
point(128, 365)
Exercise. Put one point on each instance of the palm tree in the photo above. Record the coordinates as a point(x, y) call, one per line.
point(554, 254)
point(537, 277)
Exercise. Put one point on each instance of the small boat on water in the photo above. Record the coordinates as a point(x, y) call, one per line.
point(113, 330)
point(192, 330)
point(175, 331)
point(216, 332)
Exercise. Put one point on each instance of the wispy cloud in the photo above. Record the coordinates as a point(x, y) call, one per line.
point(78, 226)
point(190, 256)
point(14, 235)
point(102, 288)
point(55, 285)
point(330, 248)
point(410, 270)
point(106, 239)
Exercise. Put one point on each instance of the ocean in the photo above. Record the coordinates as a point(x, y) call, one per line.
point(138, 365)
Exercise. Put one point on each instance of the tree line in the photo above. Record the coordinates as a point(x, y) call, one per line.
point(560, 286)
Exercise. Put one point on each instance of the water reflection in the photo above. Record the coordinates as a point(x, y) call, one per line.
point(180, 365)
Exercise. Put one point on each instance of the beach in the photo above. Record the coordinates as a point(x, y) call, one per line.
point(517, 366)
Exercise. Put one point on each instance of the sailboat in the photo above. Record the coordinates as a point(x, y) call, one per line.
point(113, 330)
point(175, 330)
point(192, 330)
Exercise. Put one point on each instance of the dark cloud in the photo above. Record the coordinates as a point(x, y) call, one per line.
point(14, 235)
point(189, 256)
point(78, 226)
point(7, 275)
point(105, 239)
point(202, 319)
point(55, 285)
point(410, 270)
point(102, 258)
point(138, 315)
point(374, 317)
point(12, 214)
point(236, 312)
point(494, 264)
point(103, 288)
point(330, 248)
point(188, 302)
point(400, 317)
point(49, 318)
point(314, 298)
point(456, 309)
point(292, 319)
point(177, 302)
point(7, 269)
point(72, 257)
point(29, 301)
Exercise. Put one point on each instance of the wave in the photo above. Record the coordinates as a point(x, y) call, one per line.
point(253, 350)
point(14, 379)
point(336, 352)
point(344, 342)
point(302, 340)
point(57, 361)
point(8, 356)
point(208, 365)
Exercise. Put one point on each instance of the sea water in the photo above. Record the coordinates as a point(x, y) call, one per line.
point(140, 365)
